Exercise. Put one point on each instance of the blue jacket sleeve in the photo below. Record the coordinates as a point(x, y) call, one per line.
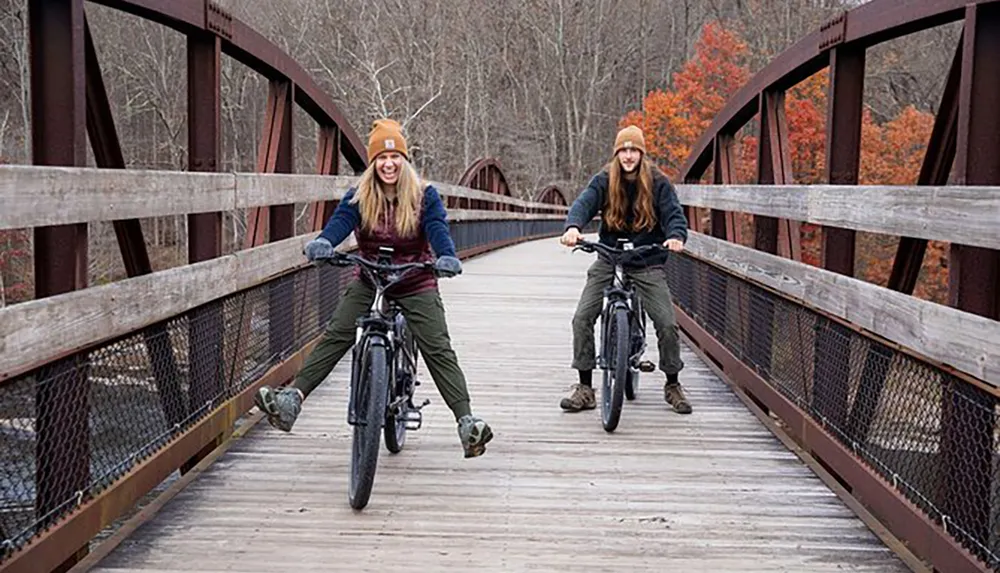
point(671, 214)
point(435, 224)
point(344, 220)
point(586, 206)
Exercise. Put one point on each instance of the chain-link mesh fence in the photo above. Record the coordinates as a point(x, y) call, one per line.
point(71, 428)
point(933, 436)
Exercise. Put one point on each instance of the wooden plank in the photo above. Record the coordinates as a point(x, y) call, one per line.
point(35, 196)
point(965, 215)
point(467, 193)
point(256, 189)
point(712, 491)
point(457, 215)
point(99, 313)
point(958, 339)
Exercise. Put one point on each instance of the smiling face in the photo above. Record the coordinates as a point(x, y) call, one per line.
point(387, 167)
point(629, 158)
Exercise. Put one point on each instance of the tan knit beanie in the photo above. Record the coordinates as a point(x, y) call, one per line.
point(630, 137)
point(386, 135)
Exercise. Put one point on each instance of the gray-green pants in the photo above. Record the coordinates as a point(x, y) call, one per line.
point(424, 314)
point(651, 285)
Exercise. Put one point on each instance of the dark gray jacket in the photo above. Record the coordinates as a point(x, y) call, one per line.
point(670, 220)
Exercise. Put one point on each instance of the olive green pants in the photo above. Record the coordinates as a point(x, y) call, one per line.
point(424, 313)
point(650, 284)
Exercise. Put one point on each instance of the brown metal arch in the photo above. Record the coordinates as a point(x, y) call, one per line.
point(867, 25)
point(552, 195)
point(486, 174)
point(255, 51)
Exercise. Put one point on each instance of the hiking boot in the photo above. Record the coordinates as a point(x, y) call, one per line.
point(582, 398)
point(674, 395)
point(282, 406)
point(475, 433)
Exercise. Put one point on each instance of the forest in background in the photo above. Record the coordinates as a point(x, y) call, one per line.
point(541, 85)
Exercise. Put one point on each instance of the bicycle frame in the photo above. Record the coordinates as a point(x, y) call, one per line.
point(621, 292)
point(381, 325)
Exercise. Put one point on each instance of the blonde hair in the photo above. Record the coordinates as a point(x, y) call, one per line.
point(617, 201)
point(372, 202)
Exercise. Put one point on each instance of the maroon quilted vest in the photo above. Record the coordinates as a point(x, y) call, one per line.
point(407, 250)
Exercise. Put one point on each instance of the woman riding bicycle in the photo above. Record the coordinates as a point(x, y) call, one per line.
point(637, 203)
point(390, 207)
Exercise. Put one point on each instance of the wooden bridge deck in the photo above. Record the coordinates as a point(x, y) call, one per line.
point(713, 491)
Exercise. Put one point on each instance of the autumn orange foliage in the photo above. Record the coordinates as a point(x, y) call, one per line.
point(891, 153)
point(673, 119)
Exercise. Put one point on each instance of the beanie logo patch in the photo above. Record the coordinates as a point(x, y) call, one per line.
point(628, 145)
point(390, 144)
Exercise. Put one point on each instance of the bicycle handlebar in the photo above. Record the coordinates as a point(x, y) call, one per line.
point(615, 253)
point(375, 269)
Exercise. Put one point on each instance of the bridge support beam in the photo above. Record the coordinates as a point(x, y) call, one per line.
point(974, 279)
point(58, 137)
point(204, 52)
point(327, 163)
point(276, 157)
point(832, 353)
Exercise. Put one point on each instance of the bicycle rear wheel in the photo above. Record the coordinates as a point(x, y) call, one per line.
point(616, 373)
point(395, 423)
point(373, 381)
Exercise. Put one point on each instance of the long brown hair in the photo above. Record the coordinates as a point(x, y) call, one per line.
point(617, 201)
point(372, 202)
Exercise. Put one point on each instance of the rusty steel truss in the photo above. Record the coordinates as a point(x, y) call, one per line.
point(965, 139)
point(69, 104)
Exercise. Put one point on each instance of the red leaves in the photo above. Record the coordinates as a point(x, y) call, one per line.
point(891, 154)
point(673, 119)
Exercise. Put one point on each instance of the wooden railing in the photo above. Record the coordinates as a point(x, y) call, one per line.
point(169, 331)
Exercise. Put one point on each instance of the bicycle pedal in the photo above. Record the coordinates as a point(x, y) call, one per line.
point(414, 420)
point(646, 366)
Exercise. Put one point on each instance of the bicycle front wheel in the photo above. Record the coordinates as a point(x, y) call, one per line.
point(616, 373)
point(373, 380)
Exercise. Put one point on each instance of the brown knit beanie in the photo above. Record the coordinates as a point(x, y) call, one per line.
point(386, 135)
point(630, 137)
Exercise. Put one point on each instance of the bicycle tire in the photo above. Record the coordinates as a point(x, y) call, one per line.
point(616, 373)
point(631, 385)
point(365, 442)
point(395, 426)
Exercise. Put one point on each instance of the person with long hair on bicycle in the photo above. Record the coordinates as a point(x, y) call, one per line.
point(637, 202)
point(389, 207)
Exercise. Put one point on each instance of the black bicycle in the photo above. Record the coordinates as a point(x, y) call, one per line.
point(383, 373)
point(623, 330)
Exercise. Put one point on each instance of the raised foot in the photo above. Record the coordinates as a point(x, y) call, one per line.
point(281, 406)
point(474, 433)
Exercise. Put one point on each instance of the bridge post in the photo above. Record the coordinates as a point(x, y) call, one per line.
point(771, 235)
point(58, 137)
point(831, 365)
point(327, 163)
point(974, 280)
point(723, 226)
point(205, 327)
point(281, 218)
